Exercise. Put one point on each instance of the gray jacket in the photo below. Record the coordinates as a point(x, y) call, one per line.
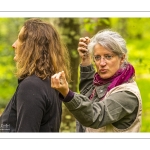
point(119, 109)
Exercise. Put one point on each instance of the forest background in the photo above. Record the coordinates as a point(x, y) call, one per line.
point(136, 32)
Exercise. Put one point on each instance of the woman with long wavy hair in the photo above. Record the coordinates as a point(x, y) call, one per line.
point(35, 106)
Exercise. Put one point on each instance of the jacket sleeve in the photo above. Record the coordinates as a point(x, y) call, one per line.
point(86, 78)
point(98, 114)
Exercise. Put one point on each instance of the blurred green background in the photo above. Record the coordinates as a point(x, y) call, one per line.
point(134, 30)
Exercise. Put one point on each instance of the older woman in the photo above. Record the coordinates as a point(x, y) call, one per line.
point(110, 100)
point(35, 106)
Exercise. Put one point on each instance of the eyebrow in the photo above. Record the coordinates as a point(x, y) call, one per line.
point(105, 54)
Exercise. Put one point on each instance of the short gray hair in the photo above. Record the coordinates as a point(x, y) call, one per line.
point(110, 40)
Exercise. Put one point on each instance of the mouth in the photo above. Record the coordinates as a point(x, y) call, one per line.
point(15, 57)
point(103, 70)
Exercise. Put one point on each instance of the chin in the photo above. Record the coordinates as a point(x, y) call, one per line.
point(104, 76)
point(15, 59)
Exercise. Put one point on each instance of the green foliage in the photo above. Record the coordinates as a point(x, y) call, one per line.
point(68, 121)
point(8, 34)
point(144, 88)
point(138, 55)
point(90, 26)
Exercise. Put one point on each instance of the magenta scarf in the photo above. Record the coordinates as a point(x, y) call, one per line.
point(121, 76)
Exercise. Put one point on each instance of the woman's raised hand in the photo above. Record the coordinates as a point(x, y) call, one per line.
point(83, 51)
point(58, 82)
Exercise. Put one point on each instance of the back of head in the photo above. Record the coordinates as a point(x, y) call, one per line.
point(110, 40)
point(41, 52)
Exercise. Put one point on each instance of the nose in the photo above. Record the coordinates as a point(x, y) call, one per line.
point(14, 44)
point(102, 62)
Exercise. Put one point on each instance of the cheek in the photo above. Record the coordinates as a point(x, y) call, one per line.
point(114, 66)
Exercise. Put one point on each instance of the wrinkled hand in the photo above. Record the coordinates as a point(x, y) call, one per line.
point(58, 82)
point(83, 50)
point(82, 46)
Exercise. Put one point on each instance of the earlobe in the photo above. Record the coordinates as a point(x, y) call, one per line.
point(122, 59)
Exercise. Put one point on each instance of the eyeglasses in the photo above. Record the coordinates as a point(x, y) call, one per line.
point(105, 57)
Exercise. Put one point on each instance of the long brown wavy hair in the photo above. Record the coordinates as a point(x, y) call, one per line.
point(41, 51)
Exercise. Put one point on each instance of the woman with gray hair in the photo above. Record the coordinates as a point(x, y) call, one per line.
point(109, 99)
